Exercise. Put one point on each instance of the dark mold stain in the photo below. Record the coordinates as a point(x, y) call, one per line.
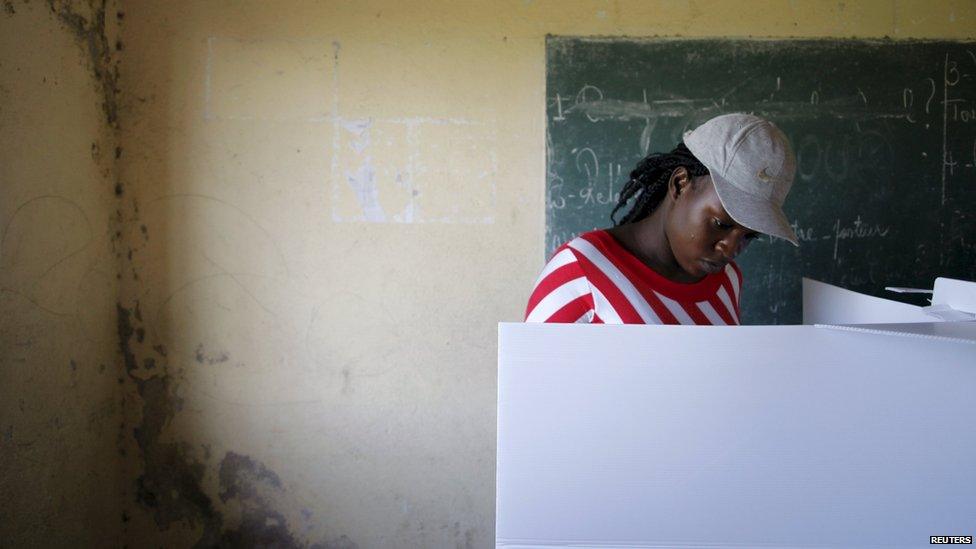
point(341, 542)
point(203, 358)
point(8, 7)
point(73, 364)
point(248, 481)
point(239, 476)
point(119, 191)
point(125, 330)
point(260, 527)
point(140, 334)
point(171, 483)
point(90, 32)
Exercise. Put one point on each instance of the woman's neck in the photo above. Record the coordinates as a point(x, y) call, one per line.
point(648, 241)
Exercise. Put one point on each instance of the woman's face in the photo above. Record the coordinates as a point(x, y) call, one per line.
point(702, 235)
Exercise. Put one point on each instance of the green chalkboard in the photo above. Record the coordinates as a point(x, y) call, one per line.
point(884, 131)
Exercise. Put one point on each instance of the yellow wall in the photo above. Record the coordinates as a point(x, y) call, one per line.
point(329, 207)
point(60, 398)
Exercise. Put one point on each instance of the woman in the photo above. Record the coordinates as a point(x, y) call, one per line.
point(670, 259)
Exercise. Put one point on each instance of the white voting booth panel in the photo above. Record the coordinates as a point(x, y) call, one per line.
point(827, 304)
point(837, 308)
point(679, 436)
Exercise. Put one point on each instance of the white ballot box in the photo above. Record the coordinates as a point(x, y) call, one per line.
point(764, 436)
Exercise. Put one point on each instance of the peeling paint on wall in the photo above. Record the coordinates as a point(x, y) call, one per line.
point(426, 170)
point(413, 169)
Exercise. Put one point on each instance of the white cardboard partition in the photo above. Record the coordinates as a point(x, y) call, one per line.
point(828, 304)
point(949, 318)
point(678, 436)
point(959, 295)
point(952, 300)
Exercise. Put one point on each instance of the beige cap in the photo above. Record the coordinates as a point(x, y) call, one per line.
point(752, 166)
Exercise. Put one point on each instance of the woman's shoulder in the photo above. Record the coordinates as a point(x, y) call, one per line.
point(595, 237)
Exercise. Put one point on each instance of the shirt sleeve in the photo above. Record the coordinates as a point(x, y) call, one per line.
point(562, 292)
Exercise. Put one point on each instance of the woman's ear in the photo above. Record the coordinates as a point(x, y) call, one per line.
point(679, 183)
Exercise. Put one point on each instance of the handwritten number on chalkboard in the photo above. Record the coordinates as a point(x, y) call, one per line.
point(951, 68)
point(583, 97)
point(585, 158)
point(556, 200)
point(559, 109)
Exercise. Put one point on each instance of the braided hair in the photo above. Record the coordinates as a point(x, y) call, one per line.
point(649, 182)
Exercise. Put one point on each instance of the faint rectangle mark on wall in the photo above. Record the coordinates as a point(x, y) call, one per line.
point(413, 170)
point(267, 80)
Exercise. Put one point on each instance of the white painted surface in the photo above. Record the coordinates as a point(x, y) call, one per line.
point(828, 304)
point(787, 436)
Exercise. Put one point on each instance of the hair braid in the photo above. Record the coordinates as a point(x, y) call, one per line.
point(649, 182)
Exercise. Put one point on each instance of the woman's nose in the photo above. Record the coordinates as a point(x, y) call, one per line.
point(731, 245)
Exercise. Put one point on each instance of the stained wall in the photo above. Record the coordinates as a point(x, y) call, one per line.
point(61, 472)
point(326, 207)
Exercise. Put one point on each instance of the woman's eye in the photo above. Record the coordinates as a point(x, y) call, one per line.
point(718, 224)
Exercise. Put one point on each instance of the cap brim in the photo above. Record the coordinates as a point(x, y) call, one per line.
point(752, 212)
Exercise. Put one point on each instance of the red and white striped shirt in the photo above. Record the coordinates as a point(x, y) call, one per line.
point(594, 279)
